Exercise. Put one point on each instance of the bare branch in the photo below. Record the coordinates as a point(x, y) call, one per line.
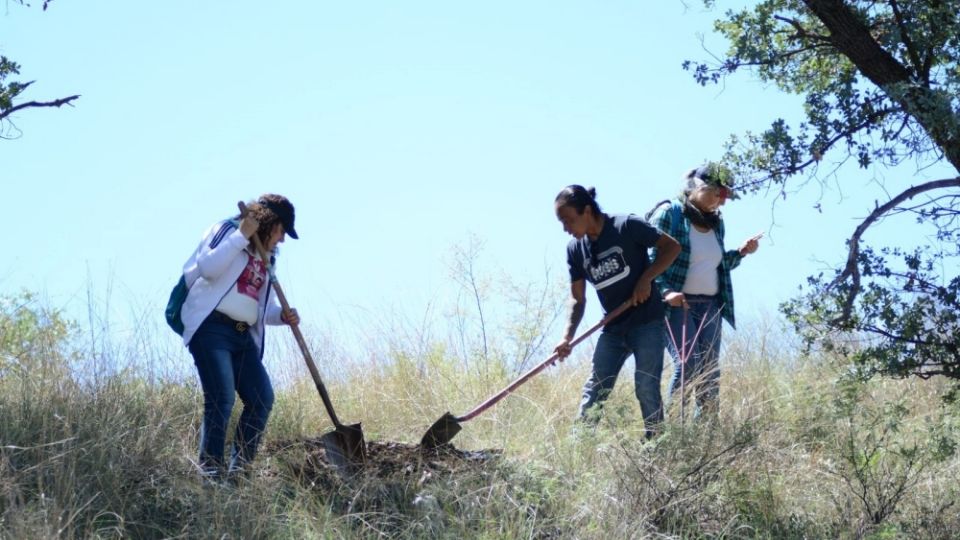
point(851, 269)
point(56, 103)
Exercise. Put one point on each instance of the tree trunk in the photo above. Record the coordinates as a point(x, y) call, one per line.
point(852, 38)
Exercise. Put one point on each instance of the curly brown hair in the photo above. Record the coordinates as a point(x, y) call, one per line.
point(268, 219)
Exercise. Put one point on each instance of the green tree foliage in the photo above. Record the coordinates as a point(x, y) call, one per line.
point(11, 89)
point(33, 339)
point(881, 86)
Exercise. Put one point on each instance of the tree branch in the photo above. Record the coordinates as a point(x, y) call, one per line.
point(802, 33)
point(56, 103)
point(894, 337)
point(732, 65)
point(817, 153)
point(917, 282)
point(905, 35)
point(851, 270)
point(942, 209)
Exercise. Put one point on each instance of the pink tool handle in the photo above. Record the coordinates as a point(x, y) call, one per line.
point(543, 365)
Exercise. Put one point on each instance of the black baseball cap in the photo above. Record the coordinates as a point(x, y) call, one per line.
point(284, 211)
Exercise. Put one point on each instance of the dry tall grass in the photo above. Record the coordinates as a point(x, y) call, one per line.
point(798, 451)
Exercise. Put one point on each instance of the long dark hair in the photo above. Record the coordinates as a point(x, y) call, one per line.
point(579, 198)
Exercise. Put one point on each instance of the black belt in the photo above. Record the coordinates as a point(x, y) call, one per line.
point(239, 326)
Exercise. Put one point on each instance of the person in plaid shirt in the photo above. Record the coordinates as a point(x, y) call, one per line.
point(697, 286)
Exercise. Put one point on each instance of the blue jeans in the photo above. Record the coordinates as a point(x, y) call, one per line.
point(702, 368)
point(645, 342)
point(228, 363)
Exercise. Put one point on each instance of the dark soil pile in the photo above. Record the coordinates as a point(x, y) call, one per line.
point(386, 462)
point(403, 490)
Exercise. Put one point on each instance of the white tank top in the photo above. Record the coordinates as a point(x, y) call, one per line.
point(705, 257)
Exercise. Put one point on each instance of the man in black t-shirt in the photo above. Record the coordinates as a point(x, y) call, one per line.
point(614, 262)
point(611, 252)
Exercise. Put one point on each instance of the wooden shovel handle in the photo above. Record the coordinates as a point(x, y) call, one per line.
point(543, 365)
point(295, 328)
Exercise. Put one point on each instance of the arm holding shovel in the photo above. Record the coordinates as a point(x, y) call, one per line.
point(667, 249)
point(276, 314)
point(578, 304)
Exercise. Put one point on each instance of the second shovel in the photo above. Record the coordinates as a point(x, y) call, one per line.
point(447, 427)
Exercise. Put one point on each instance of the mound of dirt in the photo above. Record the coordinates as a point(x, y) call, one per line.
point(386, 461)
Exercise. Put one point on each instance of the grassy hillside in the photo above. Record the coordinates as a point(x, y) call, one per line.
point(799, 451)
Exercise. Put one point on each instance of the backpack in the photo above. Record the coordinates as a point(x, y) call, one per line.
point(177, 297)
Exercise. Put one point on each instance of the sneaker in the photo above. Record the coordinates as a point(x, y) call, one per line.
point(237, 475)
point(211, 477)
point(238, 471)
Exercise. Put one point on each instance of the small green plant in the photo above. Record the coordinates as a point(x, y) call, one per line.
point(880, 457)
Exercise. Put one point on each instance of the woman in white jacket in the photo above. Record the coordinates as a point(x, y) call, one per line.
point(228, 305)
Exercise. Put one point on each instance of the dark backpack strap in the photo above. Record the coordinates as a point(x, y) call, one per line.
point(677, 217)
point(654, 209)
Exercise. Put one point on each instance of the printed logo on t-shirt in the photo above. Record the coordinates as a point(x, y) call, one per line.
point(252, 278)
point(611, 267)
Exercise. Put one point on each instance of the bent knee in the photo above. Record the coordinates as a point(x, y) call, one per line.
point(264, 400)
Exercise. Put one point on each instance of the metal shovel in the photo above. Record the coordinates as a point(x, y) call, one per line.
point(446, 428)
point(344, 446)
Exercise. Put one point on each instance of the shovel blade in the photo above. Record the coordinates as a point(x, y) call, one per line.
point(441, 432)
point(345, 447)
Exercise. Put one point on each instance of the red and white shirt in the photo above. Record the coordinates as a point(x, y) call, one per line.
point(240, 302)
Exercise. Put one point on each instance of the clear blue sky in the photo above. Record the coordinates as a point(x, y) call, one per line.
point(396, 128)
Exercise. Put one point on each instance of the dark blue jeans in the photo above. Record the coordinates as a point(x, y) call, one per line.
point(228, 363)
point(645, 343)
point(701, 373)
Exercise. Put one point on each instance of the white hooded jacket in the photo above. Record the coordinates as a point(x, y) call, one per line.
point(211, 270)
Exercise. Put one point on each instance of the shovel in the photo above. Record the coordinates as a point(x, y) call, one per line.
point(447, 427)
point(344, 446)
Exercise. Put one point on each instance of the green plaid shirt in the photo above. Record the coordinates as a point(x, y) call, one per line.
point(670, 219)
